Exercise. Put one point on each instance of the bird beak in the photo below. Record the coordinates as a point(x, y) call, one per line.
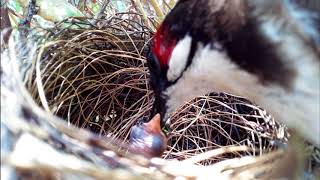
point(159, 109)
point(158, 83)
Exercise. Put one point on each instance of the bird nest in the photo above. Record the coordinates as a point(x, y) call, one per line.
point(93, 77)
point(97, 79)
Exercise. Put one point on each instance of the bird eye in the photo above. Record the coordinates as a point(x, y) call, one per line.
point(153, 63)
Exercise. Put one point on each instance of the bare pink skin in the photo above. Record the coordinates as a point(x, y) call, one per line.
point(148, 139)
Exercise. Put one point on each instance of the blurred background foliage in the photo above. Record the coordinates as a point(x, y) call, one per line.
point(49, 12)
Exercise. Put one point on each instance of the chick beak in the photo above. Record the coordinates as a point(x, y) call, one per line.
point(148, 139)
point(153, 126)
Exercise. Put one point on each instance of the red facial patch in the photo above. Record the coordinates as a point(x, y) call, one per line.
point(163, 45)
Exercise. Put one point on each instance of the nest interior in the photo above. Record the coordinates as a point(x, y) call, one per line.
point(97, 79)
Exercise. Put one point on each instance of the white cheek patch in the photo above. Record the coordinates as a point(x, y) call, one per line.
point(201, 77)
point(179, 58)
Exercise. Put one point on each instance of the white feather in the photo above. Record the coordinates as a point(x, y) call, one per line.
point(178, 59)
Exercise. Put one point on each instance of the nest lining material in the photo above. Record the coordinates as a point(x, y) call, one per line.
point(98, 80)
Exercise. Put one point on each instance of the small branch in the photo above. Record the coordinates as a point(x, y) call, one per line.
point(172, 3)
point(157, 8)
point(32, 10)
point(100, 13)
point(140, 9)
point(5, 24)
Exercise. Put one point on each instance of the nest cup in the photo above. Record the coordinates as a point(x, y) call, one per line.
point(97, 78)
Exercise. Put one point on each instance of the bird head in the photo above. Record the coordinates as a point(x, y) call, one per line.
point(147, 138)
point(258, 49)
point(178, 67)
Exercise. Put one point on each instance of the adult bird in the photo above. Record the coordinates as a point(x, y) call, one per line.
point(266, 51)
